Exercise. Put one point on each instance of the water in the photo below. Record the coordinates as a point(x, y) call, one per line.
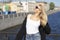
point(54, 22)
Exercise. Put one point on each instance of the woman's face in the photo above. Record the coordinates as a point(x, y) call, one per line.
point(37, 9)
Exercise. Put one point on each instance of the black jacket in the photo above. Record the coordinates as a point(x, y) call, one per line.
point(22, 31)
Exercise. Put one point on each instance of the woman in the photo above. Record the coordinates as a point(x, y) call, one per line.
point(35, 26)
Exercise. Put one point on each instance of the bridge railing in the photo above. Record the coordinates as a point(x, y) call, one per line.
point(10, 20)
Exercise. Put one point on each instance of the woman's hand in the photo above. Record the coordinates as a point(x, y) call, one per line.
point(44, 18)
point(41, 4)
point(42, 8)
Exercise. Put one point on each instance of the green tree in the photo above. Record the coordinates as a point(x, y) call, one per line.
point(7, 7)
point(52, 5)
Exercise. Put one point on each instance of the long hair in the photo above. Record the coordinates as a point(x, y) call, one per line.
point(43, 18)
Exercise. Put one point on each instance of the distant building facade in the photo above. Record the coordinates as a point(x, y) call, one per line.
point(24, 6)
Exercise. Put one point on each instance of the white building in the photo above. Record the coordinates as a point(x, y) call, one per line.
point(28, 6)
point(25, 6)
point(20, 5)
point(31, 6)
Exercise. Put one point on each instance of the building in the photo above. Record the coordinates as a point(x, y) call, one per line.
point(31, 6)
point(28, 6)
point(24, 6)
point(18, 6)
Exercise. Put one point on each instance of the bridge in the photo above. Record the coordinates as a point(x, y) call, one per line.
point(10, 20)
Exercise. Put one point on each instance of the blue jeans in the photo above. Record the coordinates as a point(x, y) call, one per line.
point(33, 36)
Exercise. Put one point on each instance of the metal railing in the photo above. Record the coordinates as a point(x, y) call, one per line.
point(10, 20)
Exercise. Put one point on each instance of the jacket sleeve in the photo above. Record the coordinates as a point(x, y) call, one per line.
point(22, 31)
point(47, 29)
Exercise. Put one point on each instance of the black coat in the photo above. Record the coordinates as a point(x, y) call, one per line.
point(22, 31)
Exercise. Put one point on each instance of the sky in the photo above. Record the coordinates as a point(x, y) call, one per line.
point(57, 2)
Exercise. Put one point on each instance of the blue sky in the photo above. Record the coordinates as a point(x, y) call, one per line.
point(57, 2)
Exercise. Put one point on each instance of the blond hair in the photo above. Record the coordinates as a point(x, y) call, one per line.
point(43, 19)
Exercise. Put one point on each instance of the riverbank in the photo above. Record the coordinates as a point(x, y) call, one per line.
point(52, 11)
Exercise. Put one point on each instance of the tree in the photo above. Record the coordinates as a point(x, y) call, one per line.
point(7, 7)
point(52, 5)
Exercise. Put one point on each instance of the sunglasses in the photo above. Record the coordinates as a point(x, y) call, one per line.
point(36, 7)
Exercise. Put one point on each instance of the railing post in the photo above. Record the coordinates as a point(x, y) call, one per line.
point(3, 17)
